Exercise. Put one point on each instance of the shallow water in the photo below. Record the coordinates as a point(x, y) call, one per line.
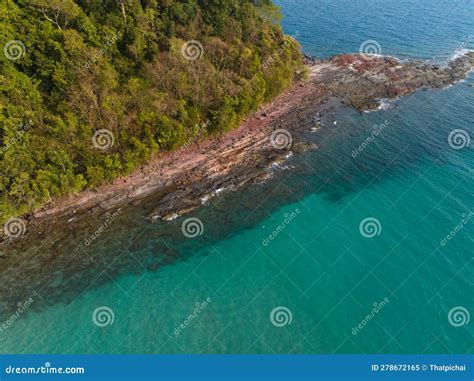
point(318, 265)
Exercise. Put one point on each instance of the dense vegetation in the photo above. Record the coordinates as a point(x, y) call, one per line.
point(70, 68)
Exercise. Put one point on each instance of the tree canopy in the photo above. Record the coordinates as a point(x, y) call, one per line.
point(91, 89)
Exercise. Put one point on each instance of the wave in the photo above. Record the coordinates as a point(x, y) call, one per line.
point(384, 104)
point(458, 53)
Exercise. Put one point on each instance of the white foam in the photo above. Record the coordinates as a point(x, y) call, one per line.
point(458, 53)
point(279, 166)
point(171, 217)
point(384, 104)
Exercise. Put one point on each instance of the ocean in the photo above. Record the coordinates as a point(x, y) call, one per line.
point(364, 245)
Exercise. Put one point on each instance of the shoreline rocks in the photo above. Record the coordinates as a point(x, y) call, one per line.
point(58, 255)
point(245, 156)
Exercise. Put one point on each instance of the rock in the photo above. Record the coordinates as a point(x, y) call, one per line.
point(301, 147)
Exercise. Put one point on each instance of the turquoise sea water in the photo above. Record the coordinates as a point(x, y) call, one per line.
point(331, 289)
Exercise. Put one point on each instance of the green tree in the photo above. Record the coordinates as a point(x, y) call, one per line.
point(58, 12)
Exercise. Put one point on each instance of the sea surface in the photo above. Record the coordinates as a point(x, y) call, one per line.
point(372, 234)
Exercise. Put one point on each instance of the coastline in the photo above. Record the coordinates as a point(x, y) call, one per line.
point(186, 178)
point(61, 243)
point(167, 172)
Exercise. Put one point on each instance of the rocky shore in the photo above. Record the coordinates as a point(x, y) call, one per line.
point(183, 181)
point(91, 236)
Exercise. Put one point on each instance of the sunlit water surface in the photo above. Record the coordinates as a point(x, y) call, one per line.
point(319, 266)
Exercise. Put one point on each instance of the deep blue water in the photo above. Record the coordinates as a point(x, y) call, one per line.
point(320, 285)
point(403, 28)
